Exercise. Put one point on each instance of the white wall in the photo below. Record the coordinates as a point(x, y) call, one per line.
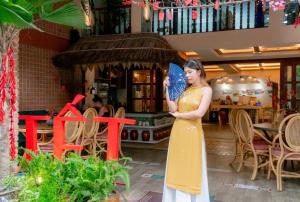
point(260, 90)
point(277, 34)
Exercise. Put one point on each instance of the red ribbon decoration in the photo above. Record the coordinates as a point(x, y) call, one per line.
point(2, 87)
point(13, 98)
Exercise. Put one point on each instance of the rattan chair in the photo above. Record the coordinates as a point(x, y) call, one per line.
point(90, 129)
point(73, 130)
point(100, 141)
point(286, 146)
point(258, 149)
point(232, 120)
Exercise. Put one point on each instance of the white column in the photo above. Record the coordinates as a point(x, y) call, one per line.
point(136, 17)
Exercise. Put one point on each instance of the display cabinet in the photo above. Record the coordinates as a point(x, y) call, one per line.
point(145, 93)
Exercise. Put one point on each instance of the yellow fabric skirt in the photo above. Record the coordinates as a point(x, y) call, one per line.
point(184, 166)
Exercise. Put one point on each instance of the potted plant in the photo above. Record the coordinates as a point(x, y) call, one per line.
point(74, 179)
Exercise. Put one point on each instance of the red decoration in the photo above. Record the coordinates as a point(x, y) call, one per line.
point(126, 2)
point(161, 15)
point(297, 22)
point(59, 127)
point(113, 135)
point(217, 5)
point(194, 15)
point(2, 87)
point(155, 6)
point(188, 2)
point(31, 131)
point(195, 3)
point(170, 15)
point(141, 4)
point(13, 98)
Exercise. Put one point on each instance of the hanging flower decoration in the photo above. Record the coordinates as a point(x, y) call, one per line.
point(277, 5)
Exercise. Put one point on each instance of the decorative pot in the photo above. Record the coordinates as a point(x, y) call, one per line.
point(134, 135)
point(124, 134)
point(156, 135)
point(146, 135)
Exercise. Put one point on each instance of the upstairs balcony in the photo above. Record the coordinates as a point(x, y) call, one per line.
point(168, 19)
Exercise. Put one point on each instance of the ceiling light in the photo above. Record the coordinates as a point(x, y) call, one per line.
point(191, 53)
point(270, 64)
point(247, 65)
point(256, 49)
point(214, 70)
point(250, 68)
point(274, 67)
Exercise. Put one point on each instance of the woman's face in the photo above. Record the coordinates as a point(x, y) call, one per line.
point(192, 75)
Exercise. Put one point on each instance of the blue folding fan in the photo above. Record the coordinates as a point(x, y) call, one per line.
point(177, 80)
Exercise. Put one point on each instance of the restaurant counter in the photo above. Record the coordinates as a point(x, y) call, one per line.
point(149, 128)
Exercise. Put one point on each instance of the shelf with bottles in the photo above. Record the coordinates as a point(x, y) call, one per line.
point(143, 91)
point(144, 76)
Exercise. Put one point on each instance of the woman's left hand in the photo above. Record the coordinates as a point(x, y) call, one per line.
point(175, 114)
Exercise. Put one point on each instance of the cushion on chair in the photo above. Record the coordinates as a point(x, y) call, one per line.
point(277, 152)
point(46, 148)
point(260, 145)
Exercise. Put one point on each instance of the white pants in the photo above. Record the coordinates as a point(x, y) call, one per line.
point(174, 195)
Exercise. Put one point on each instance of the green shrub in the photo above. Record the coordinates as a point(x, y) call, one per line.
point(48, 179)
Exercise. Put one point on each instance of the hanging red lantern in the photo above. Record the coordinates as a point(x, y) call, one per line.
point(170, 15)
point(194, 15)
point(161, 15)
point(217, 5)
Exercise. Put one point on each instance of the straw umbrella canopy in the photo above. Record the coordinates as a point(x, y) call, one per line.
point(115, 49)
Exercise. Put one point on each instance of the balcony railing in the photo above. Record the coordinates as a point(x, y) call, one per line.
point(238, 15)
point(115, 20)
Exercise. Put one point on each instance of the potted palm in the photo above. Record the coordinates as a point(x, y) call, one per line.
point(75, 179)
point(16, 15)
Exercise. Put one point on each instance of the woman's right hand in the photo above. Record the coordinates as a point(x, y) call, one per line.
point(166, 82)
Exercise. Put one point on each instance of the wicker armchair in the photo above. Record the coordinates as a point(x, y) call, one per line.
point(100, 140)
point(251, 147)
point(285, 146)
point(90, 129)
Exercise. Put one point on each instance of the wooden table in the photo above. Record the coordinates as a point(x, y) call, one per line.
point(266, 127)
point(257, 109)
point(43, 129)
point(269, 129)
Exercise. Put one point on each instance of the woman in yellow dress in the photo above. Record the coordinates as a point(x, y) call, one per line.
point(186, 171)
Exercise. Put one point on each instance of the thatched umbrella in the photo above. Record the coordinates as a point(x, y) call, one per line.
point(123, 48)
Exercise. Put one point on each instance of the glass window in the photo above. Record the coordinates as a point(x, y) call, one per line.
point(298, 90)
point(289, 73)
point(298, 73)
point(141, 76)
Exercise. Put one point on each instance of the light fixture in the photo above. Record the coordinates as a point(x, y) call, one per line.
point(256, 49)
point(147, 11)
point(88, 13)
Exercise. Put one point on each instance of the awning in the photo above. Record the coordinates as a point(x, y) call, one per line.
point(118, 49)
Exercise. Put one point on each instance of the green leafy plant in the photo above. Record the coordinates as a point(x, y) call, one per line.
point(24, 13)
point(49, 179)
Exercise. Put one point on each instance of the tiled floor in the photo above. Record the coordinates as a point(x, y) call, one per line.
point(225, 185)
